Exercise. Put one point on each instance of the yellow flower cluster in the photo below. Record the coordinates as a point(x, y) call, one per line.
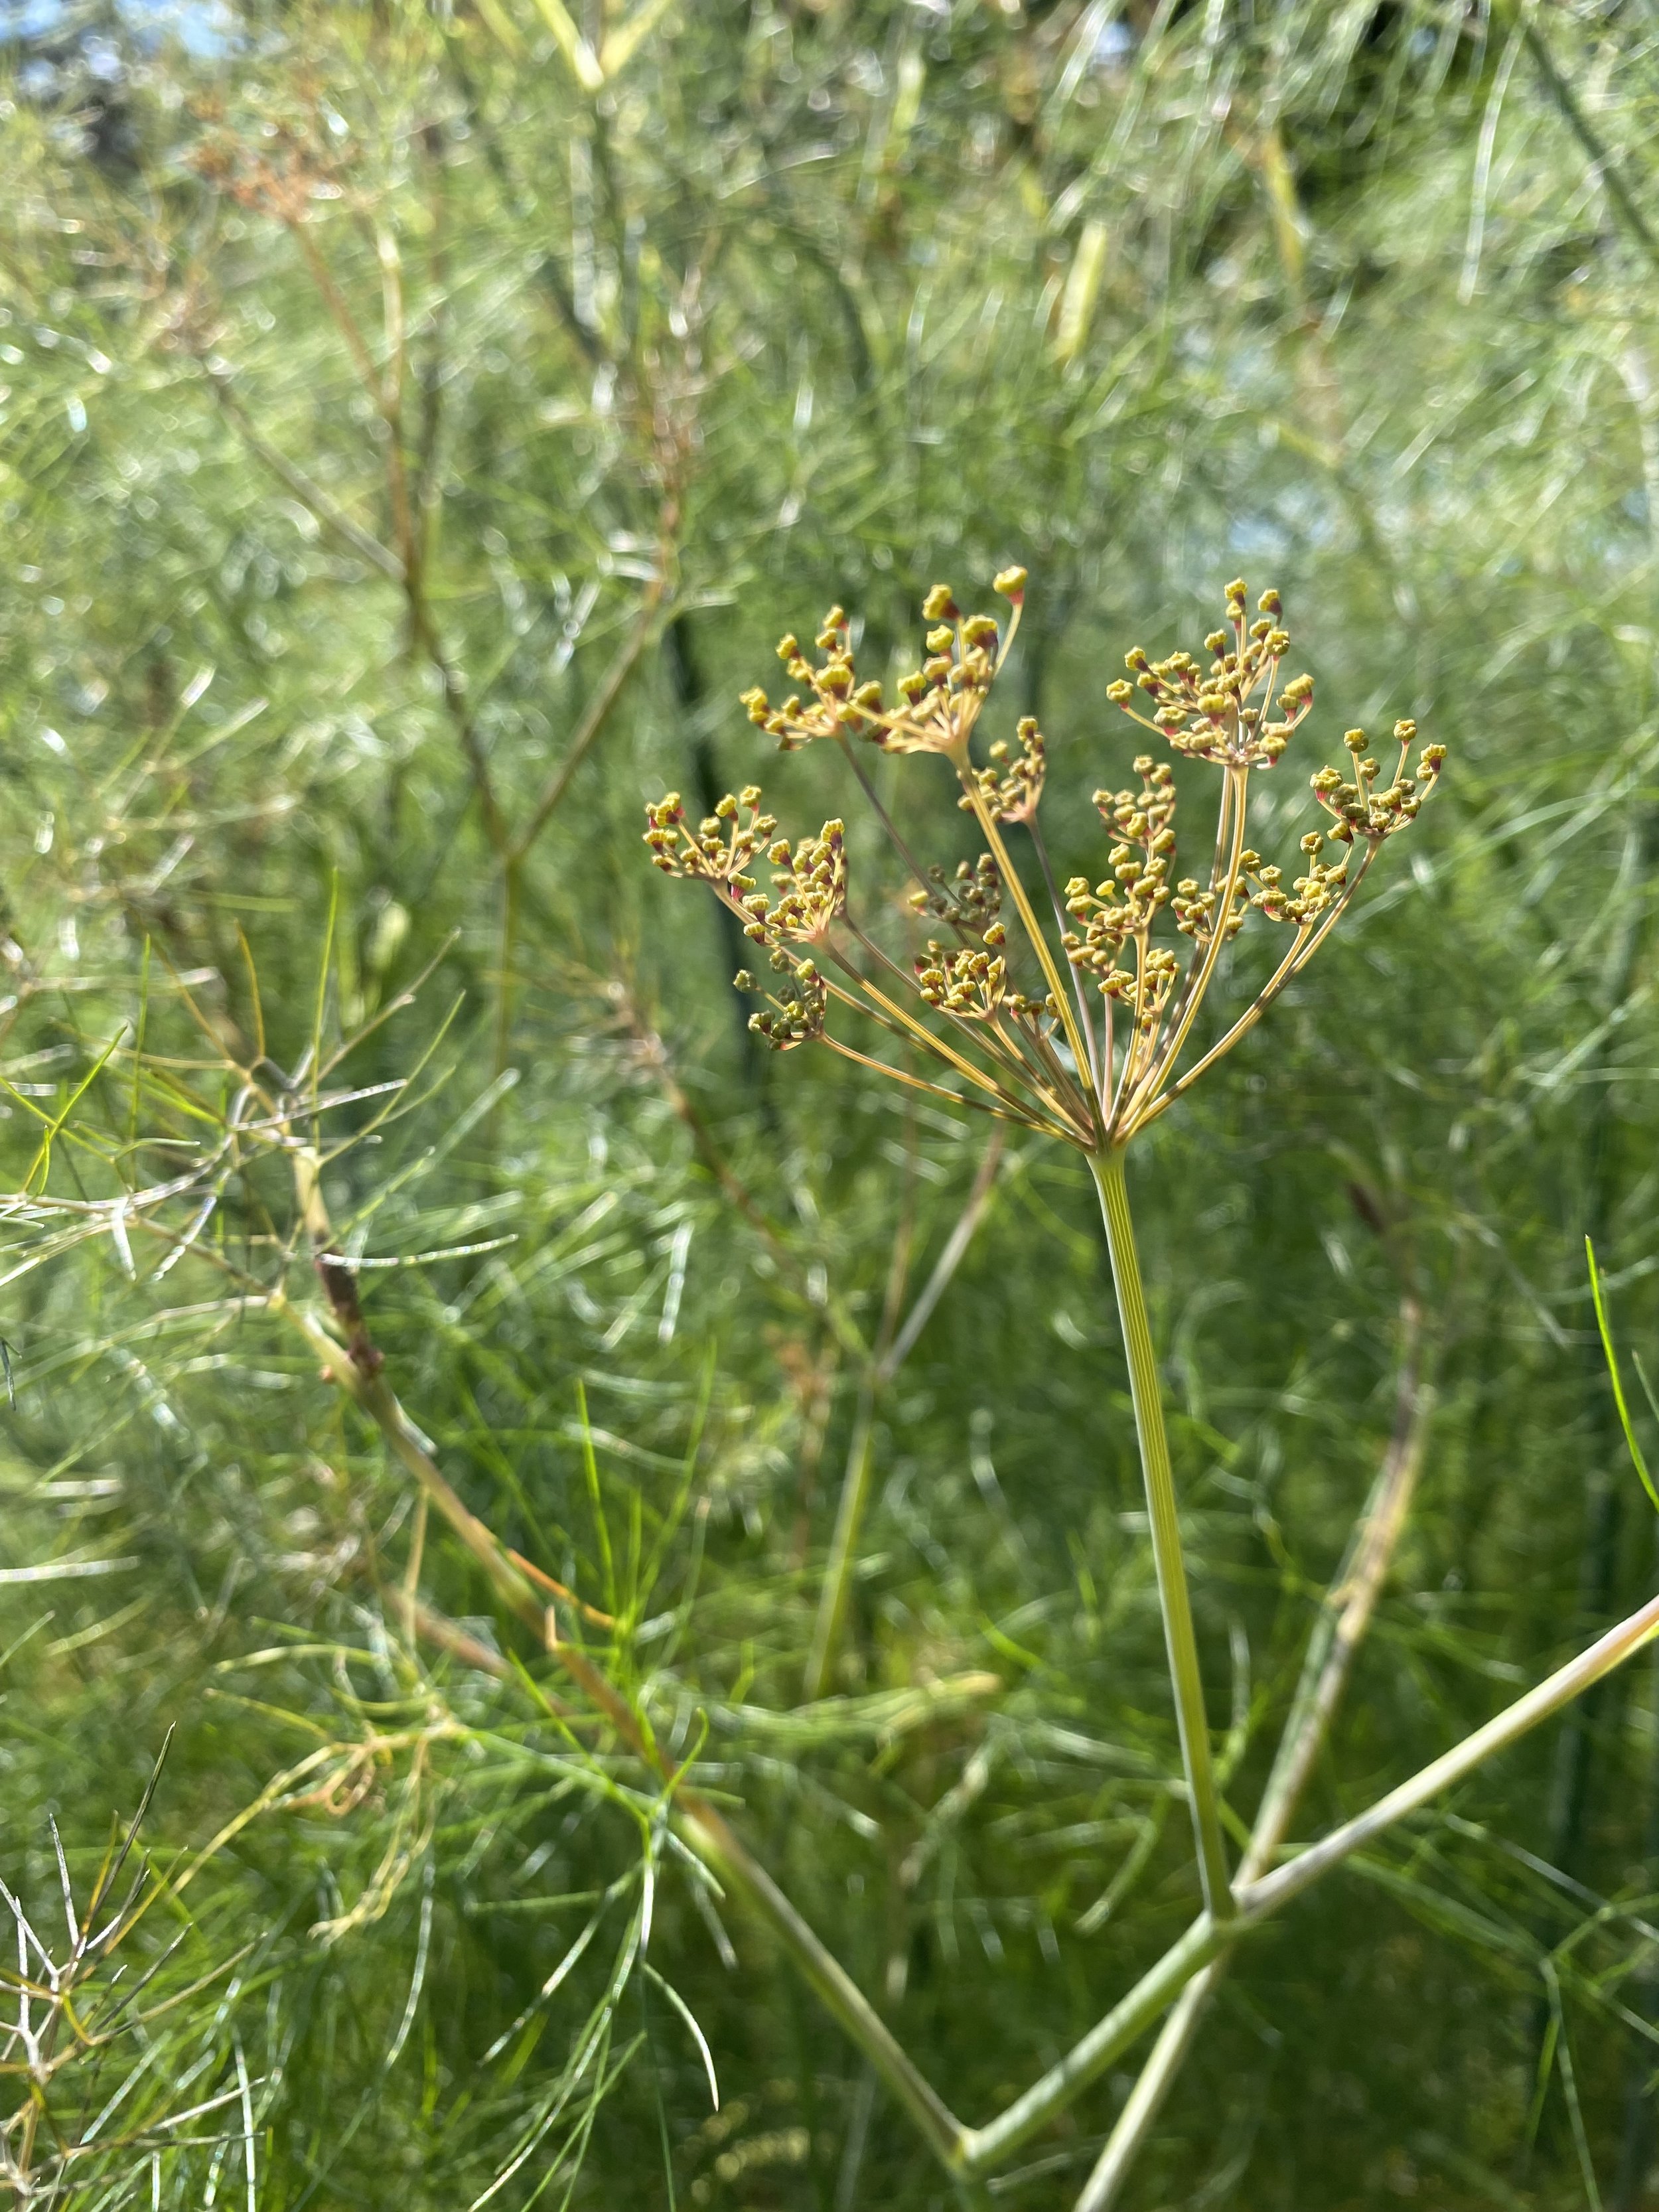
point(1223, 714)
point(1032, 1043)
point(938, 704)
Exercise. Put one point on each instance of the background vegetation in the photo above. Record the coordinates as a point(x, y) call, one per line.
point(417, 422)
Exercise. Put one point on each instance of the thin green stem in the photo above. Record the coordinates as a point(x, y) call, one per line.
point(838, 1573)
point(1203, 1941)
point(1011, 876)
point(893, 1347)
point(1558, 1690)
point(1176, 1607)
point(1338, 1633)
point(1223, 886)
point(867, 787)
point(964, 2152)
point(841, 1996)
point(1127, 2023)
point(512, 894)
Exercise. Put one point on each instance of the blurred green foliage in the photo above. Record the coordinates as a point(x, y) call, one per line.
point(401, 401)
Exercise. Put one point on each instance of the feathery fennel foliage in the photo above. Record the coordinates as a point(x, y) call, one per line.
point(416, 422)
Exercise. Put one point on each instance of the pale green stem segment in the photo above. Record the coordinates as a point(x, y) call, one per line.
point(1152, 2084)
point(833, 1599)
point(841, 1996)
point(849, 1520)
point(986, 2147)
point(1182, 1645)
point(1203, 1941)
point(1338, 1633)
point(1568, 1682)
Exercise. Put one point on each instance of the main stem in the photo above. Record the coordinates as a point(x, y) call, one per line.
point(1176, 1607)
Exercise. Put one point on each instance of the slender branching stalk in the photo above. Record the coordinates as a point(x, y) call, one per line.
point(888, 1357)
point(1034, 1057)
point(964, 2150)
point(1206, 1939)
point(1343, 1620)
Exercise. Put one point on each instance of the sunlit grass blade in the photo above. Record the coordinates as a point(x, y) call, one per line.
point(1602, 1322)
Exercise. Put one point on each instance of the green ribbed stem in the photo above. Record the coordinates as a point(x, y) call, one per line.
point(836, 1594)
point(1181, 1645)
